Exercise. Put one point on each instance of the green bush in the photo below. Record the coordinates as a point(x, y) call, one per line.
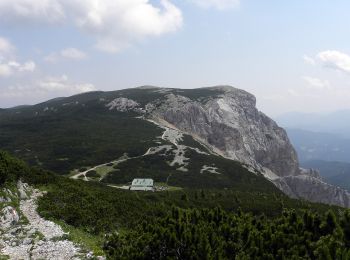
point(216, 234)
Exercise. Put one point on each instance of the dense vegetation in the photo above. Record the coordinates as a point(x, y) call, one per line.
point(234, 214)
point(75, 137)
point(64, 134)
point(184, 224)
point(230, 174)
point(216, 234)
point(80, 132)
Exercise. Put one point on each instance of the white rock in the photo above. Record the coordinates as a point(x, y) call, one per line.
point(8, 217)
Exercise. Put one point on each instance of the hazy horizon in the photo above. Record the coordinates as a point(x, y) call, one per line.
point(293, 56)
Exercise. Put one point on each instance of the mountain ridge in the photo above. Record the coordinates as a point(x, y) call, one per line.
point(222, 117)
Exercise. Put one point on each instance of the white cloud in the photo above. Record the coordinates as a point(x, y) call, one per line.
point(10, 68)
point(6, 48)
point(45, 88)
point(218, 4)
point(116, 24)
point(335, 59)
point(316, 83)
point(8, 65)
point(69, 53)
point(5, 70)
point(62, 83)
point(309, 60)
point(74, 54)
point(293, 92)
point(31, 11)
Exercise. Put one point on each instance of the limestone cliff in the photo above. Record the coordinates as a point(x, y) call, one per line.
point(229, 122)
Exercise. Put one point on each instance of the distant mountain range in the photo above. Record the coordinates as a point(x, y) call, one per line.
point(336, 173)
point(319, 146)
point(322, 142)
point(337, 122)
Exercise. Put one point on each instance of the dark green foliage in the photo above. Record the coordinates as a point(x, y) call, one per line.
point(68, 140)
point(231, 174)
point(10, 168)
point(200, 94)
point(192, 231)
point(64, 134)
point(92, 174)
point(152, 166)
point(189, 141)
point(216, 234)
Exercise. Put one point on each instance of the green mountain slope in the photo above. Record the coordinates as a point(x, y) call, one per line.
point(68, 135)
point(72, 137)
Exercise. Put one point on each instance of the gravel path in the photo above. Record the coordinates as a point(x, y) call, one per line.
point(29, 209)
point(39, 238)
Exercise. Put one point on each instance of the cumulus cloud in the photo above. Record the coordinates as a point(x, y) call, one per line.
point(10, 66)
point(218, 4)
point(309, 60)
point(335, 59)
point(6, 47)
point(115, 24)
point(16, 11)
point(72, 53)
point(316, 83)
point(69, 53)
point(62, 83)
point(293, 92)
point(45, 88)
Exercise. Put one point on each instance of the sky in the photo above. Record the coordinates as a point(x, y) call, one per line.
point(293, 55)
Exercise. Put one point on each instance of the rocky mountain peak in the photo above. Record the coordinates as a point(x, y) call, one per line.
point(231, 124)
point(226, 120)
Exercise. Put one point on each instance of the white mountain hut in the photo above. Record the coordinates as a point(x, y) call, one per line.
point(142, 185)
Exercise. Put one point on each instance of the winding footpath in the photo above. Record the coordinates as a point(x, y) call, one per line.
point(36, 238)
point(170, 135)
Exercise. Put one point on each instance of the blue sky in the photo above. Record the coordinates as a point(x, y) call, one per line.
point(293, 55)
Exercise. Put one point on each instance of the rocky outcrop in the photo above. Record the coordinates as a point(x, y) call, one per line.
point(8, 217)
point(227, 122)
point(122, 104)
point(22, 190)
point(313, 189)
point(230, 124)
point(25, 235)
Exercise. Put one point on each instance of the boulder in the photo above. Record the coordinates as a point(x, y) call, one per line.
point(8, 217)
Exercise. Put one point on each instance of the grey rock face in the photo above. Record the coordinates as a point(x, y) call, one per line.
point(122, 104)
point(313, 189)
point(311, 172)
point(4, 199)
point(22, 190)
point(232, 126)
